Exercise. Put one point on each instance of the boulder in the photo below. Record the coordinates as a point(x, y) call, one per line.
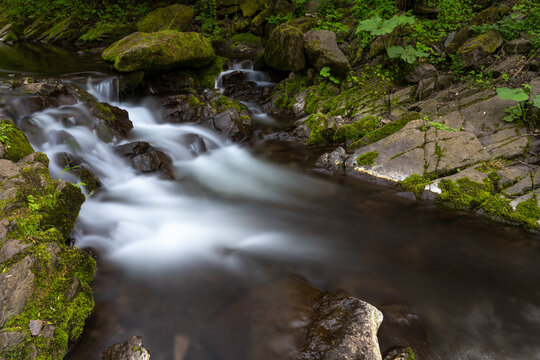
point(160, 51)
point(480, 47)
point(285, 49)
point(519, 46)
point(131, 349)
point(175, 17)
point(421, 72)
point(322, 50)
point(117, 119)
point(251, 7)
point(145, 158)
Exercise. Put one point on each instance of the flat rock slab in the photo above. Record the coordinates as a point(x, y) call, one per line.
point(486, 117)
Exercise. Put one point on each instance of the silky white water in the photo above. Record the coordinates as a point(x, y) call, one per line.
point(144, 222)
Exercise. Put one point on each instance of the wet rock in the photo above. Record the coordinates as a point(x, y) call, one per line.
point(145, 158)
point(131, 349)
point(421, 72)
point(289, 319)
point(322, 50)
point(231, 123)
point(10, 340)
point(285, 49)
point(175, 17)
point(15, 289)
point(334, 161)
point(117, 119)
point(478, 48)
point(160, 51)
point(343, 327)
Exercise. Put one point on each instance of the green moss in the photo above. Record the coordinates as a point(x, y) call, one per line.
point(104, 30)
point(320, 132)
point(246, 38)
point(15, 143)
point(358, 129)
point(410, 353)
point(527, 213)
point(438, 151)
point(367, 159)
point(224, 103)
point(385, 131)
point(175, 17)
point(463, 194)
point(415, 184)
point(203, 78)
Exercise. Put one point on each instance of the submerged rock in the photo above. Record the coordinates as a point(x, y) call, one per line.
point(131, 349)
point(160, 51)
point(285, 49)
point(175, 17)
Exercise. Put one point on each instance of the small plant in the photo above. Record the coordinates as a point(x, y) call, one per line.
point(367, 159)
point(325, 72)
point(5, 127)
point(521, 95)
point(32, 203)
point(379, 27)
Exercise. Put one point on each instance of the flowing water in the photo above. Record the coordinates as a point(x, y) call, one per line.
point(177, 259)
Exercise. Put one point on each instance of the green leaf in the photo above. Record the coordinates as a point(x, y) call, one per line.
point(325, 71)
point(509, 118)
point(376, 26)
point(512, 94)
point(395, 51)
point(405, 19)
point(536, 101)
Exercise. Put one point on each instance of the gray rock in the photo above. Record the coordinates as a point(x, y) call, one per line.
point(11, 247)
point(486, 117)
point(334, 161)
point(506, 65)
point(35, 327)
point(15, 289)
point(343, 328)
point(511, 174)
point(8, 169)
point(10, 340)
point(453, 150)
point(517, 46)
point(480, 47)
point(131, 349)
point(399, 155)
point(420, 72)
point(322, 50)
point(426, 87)
point(509, 142)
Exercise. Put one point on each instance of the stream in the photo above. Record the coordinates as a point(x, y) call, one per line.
point(179, 261)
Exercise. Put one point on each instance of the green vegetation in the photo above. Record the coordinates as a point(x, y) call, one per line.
point(521, 95)
point(15, 143)
point(415, 184)
point(367, 159)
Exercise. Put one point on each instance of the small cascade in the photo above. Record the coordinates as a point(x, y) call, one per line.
point(259, 77)
point(143, 219)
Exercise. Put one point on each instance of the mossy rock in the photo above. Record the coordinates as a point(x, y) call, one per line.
point(251, 7)
point(479, 47)
point(160, 51)
point(285, 49)
point(175, 17)
point(16, 144)
point(203, 78)
point(103, 31)
point(304, 24)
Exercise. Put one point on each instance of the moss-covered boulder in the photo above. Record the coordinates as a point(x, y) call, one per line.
point(322, 50)
point(16, 145)
point(285, 49)
point(160, 51)
point(175, 17)
point(251, 7)
point(480, 47)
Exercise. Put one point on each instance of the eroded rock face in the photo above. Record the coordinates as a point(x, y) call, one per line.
point(322, 50)
point(131, 349)
point(15, 289)
point(285, 49)
point(160, 51)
